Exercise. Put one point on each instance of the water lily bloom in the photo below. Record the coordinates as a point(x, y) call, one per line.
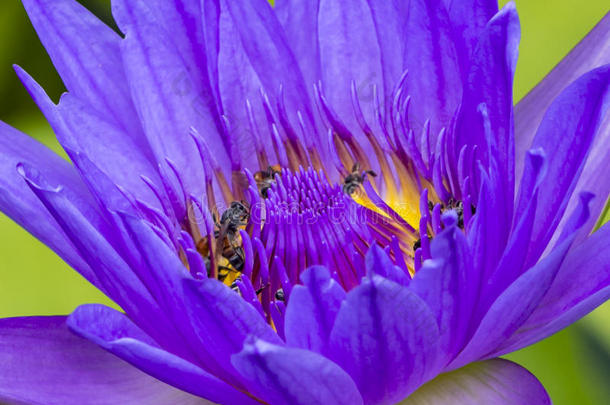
point(320, 202)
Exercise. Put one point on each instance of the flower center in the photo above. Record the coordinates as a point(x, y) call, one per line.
point(308, 221)
point(311, 205)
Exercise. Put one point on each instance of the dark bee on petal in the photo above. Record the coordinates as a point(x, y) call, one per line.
point(237, 215)
point(417, 245)
point(458, 207)
point(228, 253)
point(354, 180)
point(452, 204)
point(261, 289)
point(265, 179)
point(235, 286)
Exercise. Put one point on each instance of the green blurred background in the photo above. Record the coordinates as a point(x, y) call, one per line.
point(574, 365)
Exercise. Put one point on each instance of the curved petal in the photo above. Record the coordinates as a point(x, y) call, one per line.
point(449, 287)
point(86, 54)
point(21, 204)
point(286, 376)
point(109, 148)
point(517, 302)
point(510, 265)
point(252, 63)
point(349, 52)
point(582, 283)
point(376, 261)
point(485, 119)
point(182, 19)
point(491, 382)
point(592, 52)
point(116, 333)
point(222, 320)
point(95, 241)
point(300, 22)
point(213, 321)
point(490, 81)
point(390, 19)
point(81, 129)
point(312, 309)
point(468, 19)
point(386, 338)
point(169, 101)
point(594, 179)
point(565, 134)
point(43, 362)
point(431, 58)
point(268, 52)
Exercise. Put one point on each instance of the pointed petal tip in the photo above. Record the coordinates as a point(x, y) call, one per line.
point(35, 179)
point(450, 219)
point(314, 273)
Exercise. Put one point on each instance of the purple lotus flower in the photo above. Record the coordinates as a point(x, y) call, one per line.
point(317, 203)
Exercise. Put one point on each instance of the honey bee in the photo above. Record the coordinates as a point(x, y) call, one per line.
point(229, 244)
point(452, 204)
point(417, 244)
point(266, 178)
point(458, 206)
point(353, 180)
point(228, 252)
point(236, 216)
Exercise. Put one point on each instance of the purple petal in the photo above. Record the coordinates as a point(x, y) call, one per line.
point(312, 310)
point(22, 206)
point(391, 28)
point(484, 235)
point(116, 333)
point(86, 54)
point(163, 273)
point(281, 375)
point(268, 52)
point(468, 19)
point(277, 72)
point(93, 240)
point(448, 286)
point(592, 52)
point(490, 80)
point(43, 362)
point(511, 263)
point(485, 118)
point(166, 94)
point(376, 261)
point(237, 82)
point(594, 179)
point(491, 382)
point(252, 55)
point(431, 58)
point(300, 22)
point(349, 52)
point(582, 283)
point(514, 305)
point(213, 320)
point(222, 320)
point(386, 338)
point(82, 130)
point(182, 20)
point(565, 135)
point(109, 148)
